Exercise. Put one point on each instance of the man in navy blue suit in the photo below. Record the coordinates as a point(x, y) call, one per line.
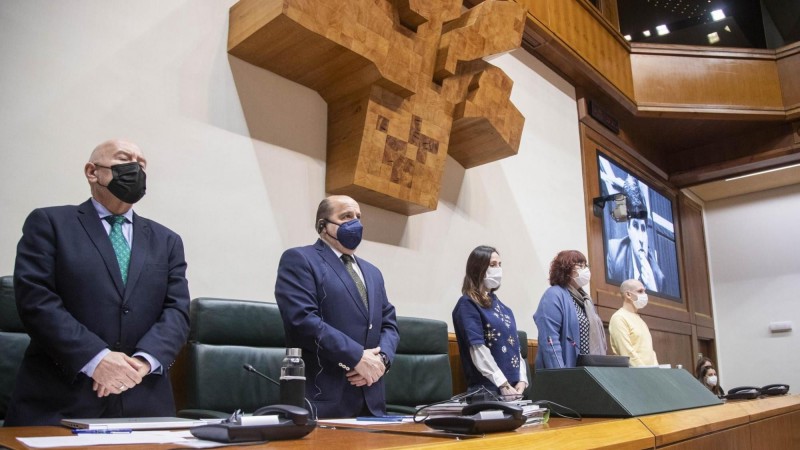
point(334, 306)
point(103, 294)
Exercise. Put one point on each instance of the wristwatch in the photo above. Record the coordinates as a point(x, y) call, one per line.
point(386, 362)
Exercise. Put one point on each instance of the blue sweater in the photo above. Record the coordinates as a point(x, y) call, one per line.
point(493, 327)
point(559, 334)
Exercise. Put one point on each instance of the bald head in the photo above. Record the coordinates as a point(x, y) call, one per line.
point(630, 290)
point(99, 174)
point(108, 149)
point(332, 212)
point(630, 286)
point(326, 209)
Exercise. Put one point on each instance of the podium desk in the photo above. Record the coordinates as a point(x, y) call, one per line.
point(768, 423)
point(621, 391)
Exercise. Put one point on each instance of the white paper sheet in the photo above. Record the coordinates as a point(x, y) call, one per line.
point(183, 437)
point(372, 421)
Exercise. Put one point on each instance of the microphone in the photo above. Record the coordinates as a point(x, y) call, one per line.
point(250, 368)
point(558, 360)
point(572, 342)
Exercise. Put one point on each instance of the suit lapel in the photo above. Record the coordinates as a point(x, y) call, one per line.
point(338, 267)
point(87, 215)
point(141, 237)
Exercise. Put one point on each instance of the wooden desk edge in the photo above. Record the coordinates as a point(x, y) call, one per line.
point(691, 423)
point(771, 406)
point(634, 433)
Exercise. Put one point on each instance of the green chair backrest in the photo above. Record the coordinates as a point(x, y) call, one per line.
point(226, 334)
point(13, 342)
point(420, 372)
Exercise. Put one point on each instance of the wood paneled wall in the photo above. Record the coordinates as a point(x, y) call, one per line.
point(676, 327)
point(575, 39)
point(675, 80)
point(584, 44)
point(788, 68)
point(696, 262)
point(582, 28)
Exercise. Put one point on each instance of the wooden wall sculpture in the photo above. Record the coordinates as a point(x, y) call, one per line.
point(404, 82)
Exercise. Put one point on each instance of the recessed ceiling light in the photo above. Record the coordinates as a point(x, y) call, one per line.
point(717, 14)
point(713, 38)
point(662, 30)
point(646, 33)
point(628, 37)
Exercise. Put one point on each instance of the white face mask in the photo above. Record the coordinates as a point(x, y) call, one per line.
point(494, 275)
point(712, 380)
point(641, 301)
point(584, 276)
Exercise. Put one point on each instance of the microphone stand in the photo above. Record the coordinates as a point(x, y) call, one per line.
point(250, 368)
point(553, 349)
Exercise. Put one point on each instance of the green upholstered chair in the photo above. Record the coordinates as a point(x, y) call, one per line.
point(226, 334)
point(420, 372)
point(523, 350)
point(13, 342)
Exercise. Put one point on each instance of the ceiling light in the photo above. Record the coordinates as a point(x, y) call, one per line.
point(628, 37)
point(646, 33)
point(713, 38)
point(762, 172)
point(717, 14)
point(662, 30)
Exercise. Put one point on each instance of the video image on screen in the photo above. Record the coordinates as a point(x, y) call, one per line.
point(642, 249)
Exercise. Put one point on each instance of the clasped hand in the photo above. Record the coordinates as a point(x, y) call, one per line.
point(117, 373)
point(646, 271)
point(513, 392)
point(368, 370)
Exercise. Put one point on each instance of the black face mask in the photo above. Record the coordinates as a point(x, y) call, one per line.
point(128, 182)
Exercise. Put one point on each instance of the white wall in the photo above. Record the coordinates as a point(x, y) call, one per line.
point(753, 246)
point(236, 155)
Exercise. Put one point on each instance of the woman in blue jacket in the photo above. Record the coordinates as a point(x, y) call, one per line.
point(486, 330)
point(566, 319)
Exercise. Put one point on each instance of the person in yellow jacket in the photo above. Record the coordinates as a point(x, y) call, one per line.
point(629, 334)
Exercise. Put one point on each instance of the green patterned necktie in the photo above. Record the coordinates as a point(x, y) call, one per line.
point(362, 290)
point(120, 245)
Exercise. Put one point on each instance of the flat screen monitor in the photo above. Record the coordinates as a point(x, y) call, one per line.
point(643, 249)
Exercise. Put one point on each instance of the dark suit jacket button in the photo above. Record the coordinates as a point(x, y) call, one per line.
point(126, 310)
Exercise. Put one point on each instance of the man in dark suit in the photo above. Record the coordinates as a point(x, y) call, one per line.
point(103, 294)
point(334, 306)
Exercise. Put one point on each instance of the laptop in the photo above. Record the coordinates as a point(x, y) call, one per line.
point(134, 423)
point(603, 361)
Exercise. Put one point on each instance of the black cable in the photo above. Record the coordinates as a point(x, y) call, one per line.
point(454, 398)
point(549, 404)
